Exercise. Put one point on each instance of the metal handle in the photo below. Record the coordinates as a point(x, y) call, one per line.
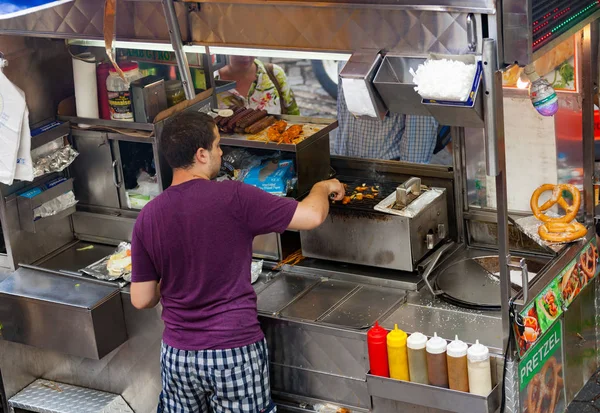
point(412, 185)
point(524, 280)
point(115, 165)
point(431, 265)
point(471, 33)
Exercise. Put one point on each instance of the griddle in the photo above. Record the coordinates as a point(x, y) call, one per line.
point(366, 204)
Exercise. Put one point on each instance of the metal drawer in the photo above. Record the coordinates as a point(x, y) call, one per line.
point(67, 314)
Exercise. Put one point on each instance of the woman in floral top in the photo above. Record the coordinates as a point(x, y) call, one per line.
point(254, 87)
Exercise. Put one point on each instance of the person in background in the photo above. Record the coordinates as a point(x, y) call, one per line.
point(258, 86)
point(408, 138)
point(191, 250)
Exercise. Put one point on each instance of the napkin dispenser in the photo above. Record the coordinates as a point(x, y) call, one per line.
point(362, 99)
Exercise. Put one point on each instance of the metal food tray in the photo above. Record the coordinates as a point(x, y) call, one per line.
point(431, 396)
point(241, 140)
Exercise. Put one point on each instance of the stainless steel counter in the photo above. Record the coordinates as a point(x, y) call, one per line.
point(430, 315)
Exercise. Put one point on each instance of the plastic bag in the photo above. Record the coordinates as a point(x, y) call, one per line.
point(113, 267)
point(256, 270)
point(55, 206)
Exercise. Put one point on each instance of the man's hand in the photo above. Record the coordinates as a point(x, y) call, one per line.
point(335, 188)
point(313, 209)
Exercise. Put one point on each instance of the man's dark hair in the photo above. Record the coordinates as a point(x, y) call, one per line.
point(183, 135)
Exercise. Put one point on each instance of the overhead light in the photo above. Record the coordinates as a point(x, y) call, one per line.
point(120, 44)
point(273, 53)
point(230, 51)
point(522, 81)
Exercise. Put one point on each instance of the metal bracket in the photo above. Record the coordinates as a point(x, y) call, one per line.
point(429, 269)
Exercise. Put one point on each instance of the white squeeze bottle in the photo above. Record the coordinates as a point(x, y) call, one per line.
point(480, 372)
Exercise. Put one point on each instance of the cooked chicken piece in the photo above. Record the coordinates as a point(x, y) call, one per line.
point(346, 200)
point(279, 126)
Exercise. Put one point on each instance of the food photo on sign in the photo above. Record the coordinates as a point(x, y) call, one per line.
point(15, 8)
point(530, 331)
point(542, 375)
point(549, 305)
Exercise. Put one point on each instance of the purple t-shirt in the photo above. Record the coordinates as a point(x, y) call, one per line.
point(196, 238)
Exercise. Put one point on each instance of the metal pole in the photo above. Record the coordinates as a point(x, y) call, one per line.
point(589, 78)
point(177, 43)
point(496, 166)
point(208, 70)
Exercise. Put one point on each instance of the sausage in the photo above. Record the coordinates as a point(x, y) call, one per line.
point(232, 120)
point(218, 119)
point(246, 116)
point(223, 121)
point(238, 130)
point(261, 125)
point(252, 119)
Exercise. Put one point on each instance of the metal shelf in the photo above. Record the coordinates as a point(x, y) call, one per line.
point(243, 142)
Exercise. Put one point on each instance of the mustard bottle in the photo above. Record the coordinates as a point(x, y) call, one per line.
point(397, 354)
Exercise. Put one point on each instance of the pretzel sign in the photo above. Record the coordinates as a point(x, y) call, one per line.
point(557, 198)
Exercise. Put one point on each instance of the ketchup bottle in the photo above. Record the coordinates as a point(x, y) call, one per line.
point(378, 358)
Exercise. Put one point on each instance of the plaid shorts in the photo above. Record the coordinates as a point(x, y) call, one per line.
point(220, 381)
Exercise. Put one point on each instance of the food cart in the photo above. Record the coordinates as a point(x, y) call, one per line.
point(69, 339)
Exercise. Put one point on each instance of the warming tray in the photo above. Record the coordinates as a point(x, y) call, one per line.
point(326, 301)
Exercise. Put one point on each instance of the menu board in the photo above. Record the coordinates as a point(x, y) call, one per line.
point(541, 374)
point(14, 8)
point(555, 298)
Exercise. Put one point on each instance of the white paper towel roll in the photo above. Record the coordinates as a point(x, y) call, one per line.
point(86, 90)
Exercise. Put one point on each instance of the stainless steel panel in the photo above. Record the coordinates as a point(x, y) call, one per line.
point(267, 246)
point(41, 68)
point(434, 397)
point(364, 307)
point(428, 316)
point(76, 257)
point(573, 362)
point(70, 315)
point(283, 290)
point(394, 83)
point(318, 300)
point(52, 397)
point(334, 351)
point(102, 227)
point(580, 344)
point(412, 32)
point(323, 386)
point(93, 171)
point(381, 405)
point(377, 239)
point(82, 19)
point(132, 370)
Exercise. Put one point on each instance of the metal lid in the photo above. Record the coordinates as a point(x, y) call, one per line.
point(478, 352)
point(436, 345)
point(416, 341)
point(457, 348)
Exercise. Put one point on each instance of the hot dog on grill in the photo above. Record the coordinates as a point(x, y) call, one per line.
point(252, 119)
point(246, 116)
point(261, 125)
point(231, 122)
point(223, 121)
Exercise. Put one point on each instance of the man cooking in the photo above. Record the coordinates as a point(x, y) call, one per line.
point(192, 251)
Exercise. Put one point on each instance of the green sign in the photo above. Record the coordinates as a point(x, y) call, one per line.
point(547, 347)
